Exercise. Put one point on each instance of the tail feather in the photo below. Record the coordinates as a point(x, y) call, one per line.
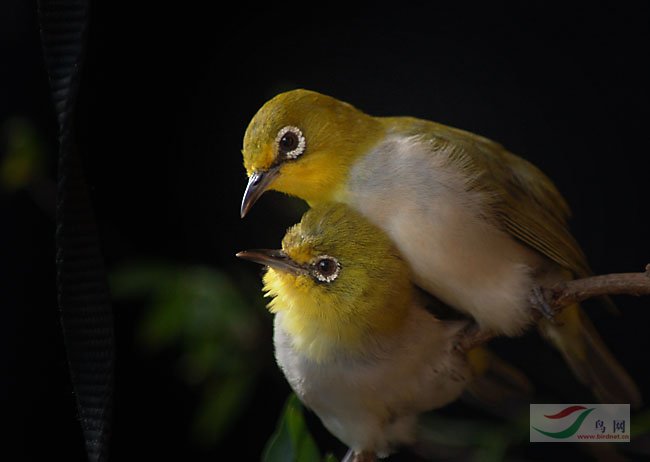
point(497, 387)
point(589, 358)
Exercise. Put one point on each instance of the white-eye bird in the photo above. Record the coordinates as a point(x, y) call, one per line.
point(351, 337)
point(481, 228)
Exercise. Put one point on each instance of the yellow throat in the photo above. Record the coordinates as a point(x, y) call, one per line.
point(369, 298)
point(336, 132)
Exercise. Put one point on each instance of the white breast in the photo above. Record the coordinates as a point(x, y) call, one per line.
point(371, 402)
point(409, 189)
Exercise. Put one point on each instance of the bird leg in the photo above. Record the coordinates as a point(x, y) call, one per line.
point(538, 299)
point(472, 336)
point(553, 299)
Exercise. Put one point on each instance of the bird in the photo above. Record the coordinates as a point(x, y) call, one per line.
point(350, 334)
point(482, 229)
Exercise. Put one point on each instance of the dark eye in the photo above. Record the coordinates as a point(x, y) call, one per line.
point(288, 142)
point(326, 268)
point(291, 142)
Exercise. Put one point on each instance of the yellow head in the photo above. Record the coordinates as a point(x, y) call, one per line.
point(303, 143)
point(338, 281)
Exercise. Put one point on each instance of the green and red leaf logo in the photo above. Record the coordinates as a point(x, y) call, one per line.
point(573, 427)
point(587, 423)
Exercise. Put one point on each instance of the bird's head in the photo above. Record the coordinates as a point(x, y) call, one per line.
point(303, 143)
point(338, 280)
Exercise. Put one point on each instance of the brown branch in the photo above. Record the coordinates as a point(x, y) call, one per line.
point(608, 284)
point(563, 294)
point(557, 298)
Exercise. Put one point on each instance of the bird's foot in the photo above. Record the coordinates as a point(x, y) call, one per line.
point(470, 330)
point(364, 456)
point(472, 336)
point(539, 302)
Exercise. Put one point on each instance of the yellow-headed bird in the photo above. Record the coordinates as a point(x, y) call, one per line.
point(481, 228)
point(351, 337)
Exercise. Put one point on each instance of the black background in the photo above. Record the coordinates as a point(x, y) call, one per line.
point(167, 91)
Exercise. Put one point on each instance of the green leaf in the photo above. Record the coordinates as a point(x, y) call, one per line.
point(291, 441)
point(200, 314)
point(640, 424)
point(197, 308)
point(140, 279)
point(485, 440)
point(24, 159)
point(221, 403)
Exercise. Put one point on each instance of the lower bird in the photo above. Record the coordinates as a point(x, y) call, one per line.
point(351, 336)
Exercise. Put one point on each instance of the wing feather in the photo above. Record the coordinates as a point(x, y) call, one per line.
point(525, 201)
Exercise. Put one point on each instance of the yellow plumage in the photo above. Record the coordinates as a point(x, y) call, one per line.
point(336, 132)
point(480, 227)
point(349, 334)
point(372, 295)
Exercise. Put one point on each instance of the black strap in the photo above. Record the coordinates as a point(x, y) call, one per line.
point(83, 295)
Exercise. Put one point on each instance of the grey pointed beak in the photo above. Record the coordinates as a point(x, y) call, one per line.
point(276, 259)
point(258, 183)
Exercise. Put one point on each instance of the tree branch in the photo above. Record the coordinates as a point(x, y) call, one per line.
point(557, 298)
point(565, 293)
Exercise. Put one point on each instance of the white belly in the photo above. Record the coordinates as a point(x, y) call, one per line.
point(455, 253)
point(371, 403)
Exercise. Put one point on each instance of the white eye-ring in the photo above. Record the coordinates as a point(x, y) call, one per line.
point(326, 268)
point(290, 142)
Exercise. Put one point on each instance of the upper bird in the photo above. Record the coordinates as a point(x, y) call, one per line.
point(481, 228)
